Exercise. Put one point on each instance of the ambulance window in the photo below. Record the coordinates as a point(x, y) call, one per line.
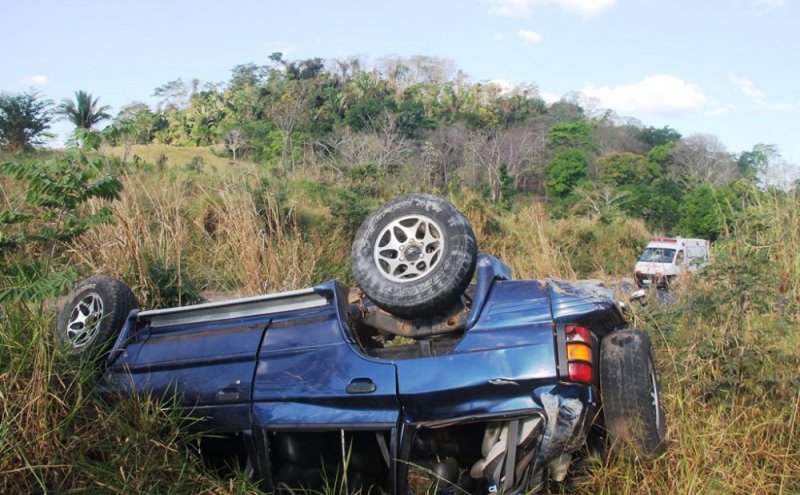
point(679, 258)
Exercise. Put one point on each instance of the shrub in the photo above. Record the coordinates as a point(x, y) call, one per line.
point(45, 213)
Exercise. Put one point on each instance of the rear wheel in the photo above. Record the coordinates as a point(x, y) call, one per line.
point(94, 314)
point(414, 256)
point(631, 395)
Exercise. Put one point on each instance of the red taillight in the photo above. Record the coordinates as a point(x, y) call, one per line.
point(580, 372)
point(579, 353)
point(578, 334)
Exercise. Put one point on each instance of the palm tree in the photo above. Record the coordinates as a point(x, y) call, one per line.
point(84, 111)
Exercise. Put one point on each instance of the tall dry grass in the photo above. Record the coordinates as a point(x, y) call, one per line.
point(728, 349)
point(536, 246)
point(57, 436)
point(729, 354)
point(256, 251)
point(231, 235)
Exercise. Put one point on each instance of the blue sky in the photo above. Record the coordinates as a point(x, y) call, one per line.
point(728, 68)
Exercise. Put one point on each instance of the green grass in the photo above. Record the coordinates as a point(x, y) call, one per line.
point(178, 156)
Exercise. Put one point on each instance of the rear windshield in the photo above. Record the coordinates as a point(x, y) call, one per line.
point(657, 255)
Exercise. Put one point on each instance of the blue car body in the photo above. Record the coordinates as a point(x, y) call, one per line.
point(289, 375)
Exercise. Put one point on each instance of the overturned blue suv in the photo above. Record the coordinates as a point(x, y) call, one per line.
point(439, 369)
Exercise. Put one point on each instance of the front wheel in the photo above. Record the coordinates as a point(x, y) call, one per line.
point(93, 315)
point(631, 394)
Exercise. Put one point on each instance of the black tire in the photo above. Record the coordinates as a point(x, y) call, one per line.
point(631, 395)
point(414, 256)
point(93, 315)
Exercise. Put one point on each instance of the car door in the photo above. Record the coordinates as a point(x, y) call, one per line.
point(310, 375)
point(206, 366)
point(493, 368)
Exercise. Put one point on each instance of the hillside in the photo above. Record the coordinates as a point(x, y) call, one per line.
point(185, 219)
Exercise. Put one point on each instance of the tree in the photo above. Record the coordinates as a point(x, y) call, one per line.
point(247, 76)
point(444, 152)
point(36, 227)
point(603, 203)
point(173, 94)
point(234, 140)
point(288, 111)
point(576, 134)
point(613, 138)
point(362, 115)
point(503, 154)
point(121, 132)
point(303, 69)
point(142, 118)
point(24, 120)
point(619, 169)
point(566, 109)
point(663, 156)
point(705, 211)
point(653, 136)
point(567, 169)
point(656, 203)
point(85, 111)
point(755, 162)
point(703, 159)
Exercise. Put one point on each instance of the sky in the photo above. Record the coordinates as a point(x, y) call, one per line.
point(728, 68)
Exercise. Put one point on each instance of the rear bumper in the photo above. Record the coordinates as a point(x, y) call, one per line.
point(650, 280)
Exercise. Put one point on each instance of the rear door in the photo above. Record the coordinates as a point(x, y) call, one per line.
point(205, 355)
point(311, 376)
point(207, 367)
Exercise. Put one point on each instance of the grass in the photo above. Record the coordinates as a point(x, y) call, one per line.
point(179, 156)
point(727, 349)
point(57, 436)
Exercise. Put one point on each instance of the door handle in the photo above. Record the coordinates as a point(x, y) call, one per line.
point(361, 386)
point(227, 395)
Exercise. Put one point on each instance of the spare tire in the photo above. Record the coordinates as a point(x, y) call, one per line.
point(414, 255)
point(93, 315)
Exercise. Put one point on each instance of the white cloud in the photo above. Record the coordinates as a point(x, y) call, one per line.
point(529, 37)
point(524, 8)
point(749, 88)
point(718, 110)
point(759, 97)
point(657, 94)
point(550, 98)
point(763, 7)
point(34, 80)
point(499, 37)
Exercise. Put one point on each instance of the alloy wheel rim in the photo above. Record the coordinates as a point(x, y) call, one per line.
point(85, 320)
point(409, 248)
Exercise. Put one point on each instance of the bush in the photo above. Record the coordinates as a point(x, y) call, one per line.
point(172, 286)
point(47, 213)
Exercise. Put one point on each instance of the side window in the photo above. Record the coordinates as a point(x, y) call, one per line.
point(679, 258)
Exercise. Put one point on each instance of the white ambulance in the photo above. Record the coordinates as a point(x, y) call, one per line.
point(665, 258)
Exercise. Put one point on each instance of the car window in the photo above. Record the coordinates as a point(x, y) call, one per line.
point(657, 255)
point(679, 258)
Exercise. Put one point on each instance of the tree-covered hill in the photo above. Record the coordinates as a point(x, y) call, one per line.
point(419, 121)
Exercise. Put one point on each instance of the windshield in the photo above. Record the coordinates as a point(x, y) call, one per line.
point(657, 255)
